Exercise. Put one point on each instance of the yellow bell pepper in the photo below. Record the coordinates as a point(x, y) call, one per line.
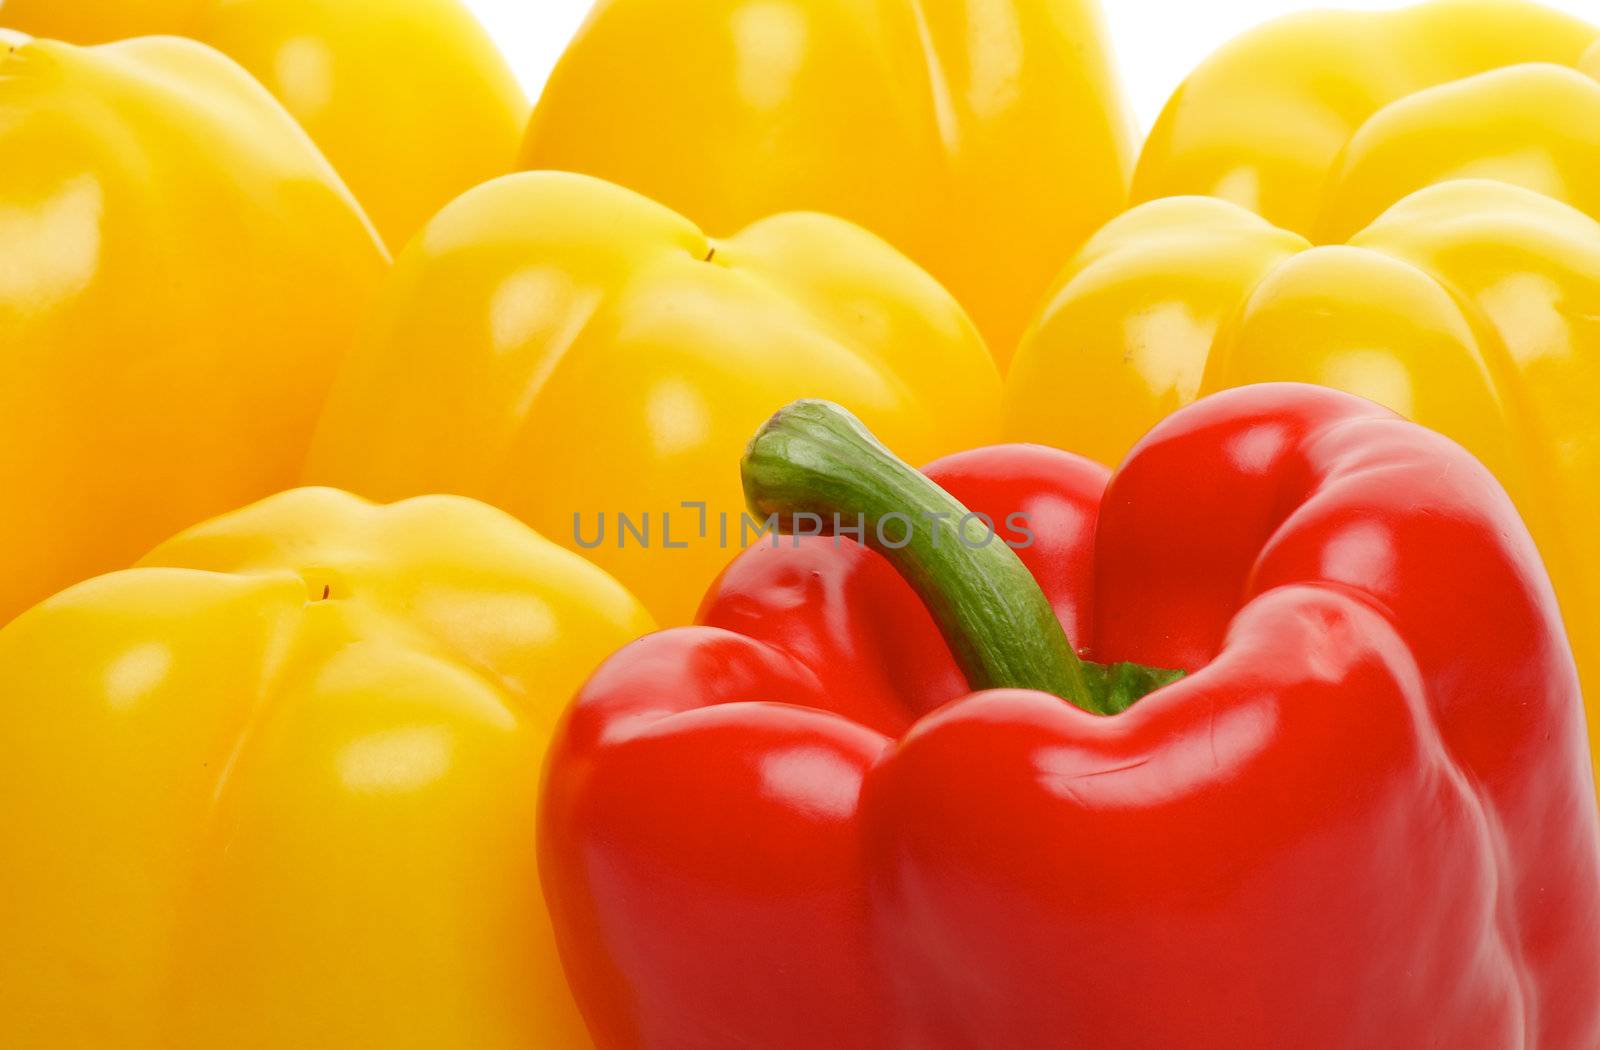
point(984, 138)
point(570, 351)
point(409, 99)
point(277, 786)
point(1472, 306)
point(1313, 104)
point(180, 277)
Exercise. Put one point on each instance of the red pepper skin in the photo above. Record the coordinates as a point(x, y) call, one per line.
point(1365, 819)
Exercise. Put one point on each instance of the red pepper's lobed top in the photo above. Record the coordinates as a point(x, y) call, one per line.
point(1365, 819)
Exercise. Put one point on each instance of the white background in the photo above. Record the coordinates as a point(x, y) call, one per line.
point(1157, 41)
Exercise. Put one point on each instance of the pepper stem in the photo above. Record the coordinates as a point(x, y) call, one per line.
point(816, 461)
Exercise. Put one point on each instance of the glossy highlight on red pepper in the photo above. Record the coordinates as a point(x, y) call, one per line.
point(1364, 818)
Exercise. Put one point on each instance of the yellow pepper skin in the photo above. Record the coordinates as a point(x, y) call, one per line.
point(277, 785)
point(409, 99)
point(1536, 126)
point(1265, 121)
point(1472, 306)
point(984, 138)
point(180, 278)
point(567, 349)
point(99, 21)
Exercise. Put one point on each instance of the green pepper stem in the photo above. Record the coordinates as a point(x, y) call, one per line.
point(815, 460)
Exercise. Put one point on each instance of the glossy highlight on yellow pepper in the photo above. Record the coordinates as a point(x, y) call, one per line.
point(986, 139)
point(277, 786)
point(570, 351)
point(1320, 121)
point(1472, 306)
point(180, 275)
point(409, 99)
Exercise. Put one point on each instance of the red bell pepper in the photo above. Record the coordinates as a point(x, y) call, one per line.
point(851, 808)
